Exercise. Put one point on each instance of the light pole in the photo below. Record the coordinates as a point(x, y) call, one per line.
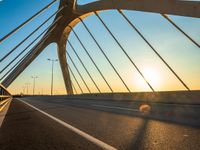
point(52, 60)
point(27, 84)
point(34, 77)
point(23, 89)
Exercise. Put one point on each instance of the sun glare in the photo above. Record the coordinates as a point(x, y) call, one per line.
point(152, 76)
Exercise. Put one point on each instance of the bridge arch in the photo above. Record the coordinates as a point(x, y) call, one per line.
point(80, 12)
point(71, 13)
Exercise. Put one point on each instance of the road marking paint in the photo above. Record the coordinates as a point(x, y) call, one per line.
point(3, 113)
point(115, 107)
point(76, 130)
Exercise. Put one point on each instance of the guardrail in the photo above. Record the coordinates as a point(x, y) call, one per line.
point(5, 97)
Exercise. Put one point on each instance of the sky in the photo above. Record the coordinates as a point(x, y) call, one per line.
point(182, 55)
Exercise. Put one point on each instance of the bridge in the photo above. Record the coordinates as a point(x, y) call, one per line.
point(103, 107)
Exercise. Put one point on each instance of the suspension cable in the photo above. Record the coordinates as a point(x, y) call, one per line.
point(28, 20)
point(132, 25)
point(12, 50)
point(75, 79)
point(14, 66)
point(177, 27)
point(124, 52)
point(78, 71)
point(92, 60)
point(101, 49)
point(84, 66)
point(22, 52)
point(29, 45)
point(39, 44)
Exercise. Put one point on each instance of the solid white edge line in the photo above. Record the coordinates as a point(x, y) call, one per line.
point(79, 132)
point(4, 112)
point(114, 107)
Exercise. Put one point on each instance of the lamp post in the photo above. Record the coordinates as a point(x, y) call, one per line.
point(52, 61)
point(34, 78)
point(27, 84)
point(23, 89)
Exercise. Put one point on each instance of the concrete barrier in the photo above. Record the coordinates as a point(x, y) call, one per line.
point(169, 97)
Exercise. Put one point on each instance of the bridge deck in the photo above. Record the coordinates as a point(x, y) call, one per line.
point(27, 128)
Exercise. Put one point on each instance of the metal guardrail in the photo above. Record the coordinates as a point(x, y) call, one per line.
point(5, 97)
point(3, 103)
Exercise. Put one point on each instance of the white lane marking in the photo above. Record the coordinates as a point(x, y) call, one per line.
point(79, 132)
point(115, 107)
point(4, 112)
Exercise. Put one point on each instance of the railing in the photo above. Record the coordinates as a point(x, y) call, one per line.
point(5, 98)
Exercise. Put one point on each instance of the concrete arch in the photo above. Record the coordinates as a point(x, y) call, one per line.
point(69, 17)
point(73, 12)
point(62, 52)
point(64, 65)
point(173, 7)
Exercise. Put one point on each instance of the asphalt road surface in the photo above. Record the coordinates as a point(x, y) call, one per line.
point(47, 123)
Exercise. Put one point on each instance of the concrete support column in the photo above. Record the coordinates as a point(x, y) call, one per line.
point(64, 66)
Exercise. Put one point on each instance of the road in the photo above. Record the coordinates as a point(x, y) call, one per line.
point(87, 124)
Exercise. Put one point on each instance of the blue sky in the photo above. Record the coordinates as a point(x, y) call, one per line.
point(181, 54)
point(18, 11)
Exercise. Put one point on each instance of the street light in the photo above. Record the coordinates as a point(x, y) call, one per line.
point(52, 60)
point(34, 77)
point(23, 89)
point(27, 84)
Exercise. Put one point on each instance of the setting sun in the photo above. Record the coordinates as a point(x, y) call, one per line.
point(152, 76)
